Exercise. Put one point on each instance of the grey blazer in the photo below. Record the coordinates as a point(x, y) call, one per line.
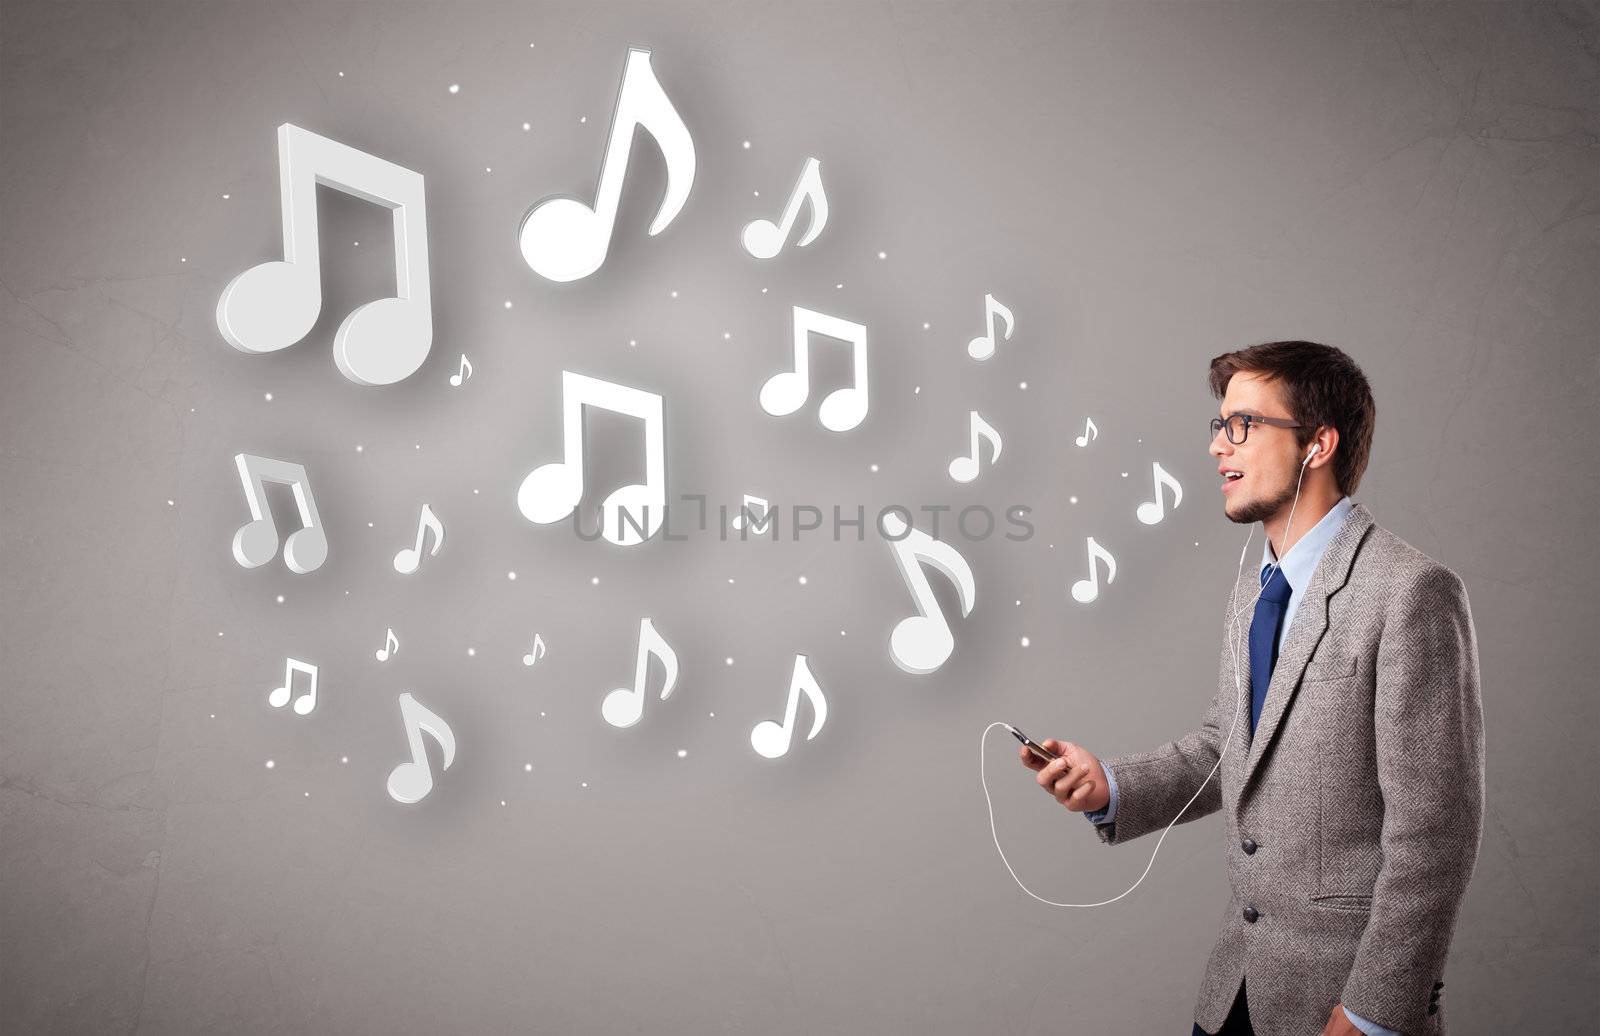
point(1354, 814)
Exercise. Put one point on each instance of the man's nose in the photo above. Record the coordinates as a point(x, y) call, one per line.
point(1220, 446)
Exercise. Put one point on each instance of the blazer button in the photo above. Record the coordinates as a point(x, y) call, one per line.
point(1249, 846)
point(1250, 914)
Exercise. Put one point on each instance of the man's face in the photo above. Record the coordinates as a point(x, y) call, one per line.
point(1258, 474)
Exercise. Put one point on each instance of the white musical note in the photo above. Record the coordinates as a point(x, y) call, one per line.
point(786, 391)
point(280, 695)
point(982, 347)
point(1086, 590)
point(275, 304)
point(462, 373)
point(1152, 512)
point(1090, 433)
point(409, 558)
point(256, 542)
point(623, 707)
point(750, 505)
point(551, 492)
point(562, 238)
point(764, 238)
point(771, 739)
point(965, 469)
point(411, 781)
point(537, 652)
point(391, 645)
point(922, 643)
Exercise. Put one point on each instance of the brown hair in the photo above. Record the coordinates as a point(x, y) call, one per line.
point(1324, 387)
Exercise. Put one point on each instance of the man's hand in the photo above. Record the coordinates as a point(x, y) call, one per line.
point(1076, 779)
point(1339, 1024)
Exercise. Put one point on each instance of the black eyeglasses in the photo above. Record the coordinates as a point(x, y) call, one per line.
point(1238, 425)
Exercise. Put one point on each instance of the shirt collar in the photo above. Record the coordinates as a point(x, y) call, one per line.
point(1301, 561)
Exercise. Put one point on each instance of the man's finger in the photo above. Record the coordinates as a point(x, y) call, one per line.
point(1050, 773)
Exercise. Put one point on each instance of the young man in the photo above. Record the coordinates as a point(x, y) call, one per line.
point(1348, 723)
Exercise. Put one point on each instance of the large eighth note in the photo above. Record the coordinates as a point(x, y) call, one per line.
point(1086, 590)
point(408, 559)
point(771, 739)
point(1152, 512)
point(764, 239)
point(922, 643)
point(623, 707)
point(551, 492)
point(787, 391)
point(565, 240)
point(275, 304)
point(982, 347)
point(412, 780)
point(965, 469)
point(257, 542)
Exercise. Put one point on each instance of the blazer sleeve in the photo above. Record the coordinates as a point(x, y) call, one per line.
point(1428, 718)
point(1153, 786)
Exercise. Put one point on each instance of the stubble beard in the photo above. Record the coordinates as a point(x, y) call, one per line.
point(1261, 510)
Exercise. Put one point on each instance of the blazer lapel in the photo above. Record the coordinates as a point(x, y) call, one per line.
point(1310, 623)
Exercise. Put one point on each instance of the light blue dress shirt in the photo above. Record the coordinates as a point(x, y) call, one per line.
point(1297, 567)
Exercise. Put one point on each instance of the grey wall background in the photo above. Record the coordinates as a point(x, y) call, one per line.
point(1145, 185)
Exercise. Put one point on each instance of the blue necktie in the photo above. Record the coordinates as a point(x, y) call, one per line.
point(1264, 627)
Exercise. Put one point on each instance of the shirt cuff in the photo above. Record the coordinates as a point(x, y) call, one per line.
point(1109, 814)
point(1370, 1028)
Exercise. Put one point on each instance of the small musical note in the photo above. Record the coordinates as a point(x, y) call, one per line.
point(922, 643)
point(275, 304)
point(749, 507)
point(982, 347)
point(411, 781)
point(623, 707)
point(764, 238)
point(1152, 512)
point(771, 739)
point(537, 652)
point(1086, 590)
point(965, 469)
point(551, 492)
point(562, 238)
point(409, 558)
point(462, 373)
point(256, 542)
point(391, 644)
point(786, 391)
point(1090, 433)
point(280, 695)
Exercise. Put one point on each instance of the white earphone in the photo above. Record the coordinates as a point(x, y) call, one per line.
point(1316, 448)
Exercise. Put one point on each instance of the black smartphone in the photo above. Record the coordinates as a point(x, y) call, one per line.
point(1033, 746)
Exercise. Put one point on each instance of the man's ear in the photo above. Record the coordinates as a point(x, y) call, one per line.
point(1324, 443)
